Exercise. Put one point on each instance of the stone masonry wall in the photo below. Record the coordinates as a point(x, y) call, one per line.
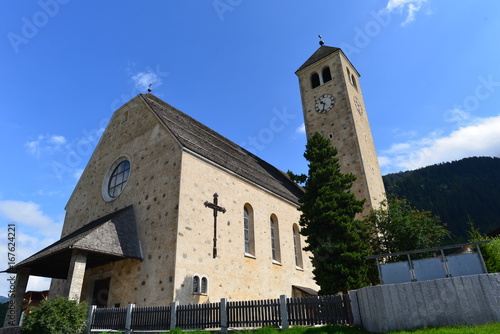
point(153, 189)
point(232, 274)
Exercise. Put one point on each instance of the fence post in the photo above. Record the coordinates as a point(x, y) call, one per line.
point(223, 316)
point(284, 312)
point(128, 320)
point(90, 318)
point(173, 315)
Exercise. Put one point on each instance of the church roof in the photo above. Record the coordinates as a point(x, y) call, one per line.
point(109, 238)
point(209, 144)
point(321, 53)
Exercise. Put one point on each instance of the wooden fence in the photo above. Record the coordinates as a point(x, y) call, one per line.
point(281, 312)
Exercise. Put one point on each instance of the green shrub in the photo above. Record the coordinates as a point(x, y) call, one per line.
point(490, 251)
point(56, 316)
point(491, 255)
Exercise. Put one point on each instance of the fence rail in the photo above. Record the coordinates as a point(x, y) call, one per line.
point(109, 318)
point(281, 312)
point(320, 311)
point(254, 313)
point(198, 316)
point(151, 318)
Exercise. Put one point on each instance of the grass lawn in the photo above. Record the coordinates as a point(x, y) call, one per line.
point(482, 329)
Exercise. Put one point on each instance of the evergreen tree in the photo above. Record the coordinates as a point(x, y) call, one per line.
point(337, 240)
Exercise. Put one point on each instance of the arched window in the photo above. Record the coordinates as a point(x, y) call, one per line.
point(196, 284)
point(248, 228)
point(297, 247)
point(327, 76)
point(353, 81)
point(315, 80)
point(204, 285)
point(275, 239)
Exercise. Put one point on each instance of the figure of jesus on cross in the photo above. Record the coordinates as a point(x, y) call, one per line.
point(216, 209)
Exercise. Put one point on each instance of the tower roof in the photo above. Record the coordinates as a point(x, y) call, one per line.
point(321, 53)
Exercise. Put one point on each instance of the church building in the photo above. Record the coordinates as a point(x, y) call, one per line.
point(169, 210)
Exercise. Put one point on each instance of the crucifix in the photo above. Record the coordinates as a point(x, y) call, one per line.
point(216, 209)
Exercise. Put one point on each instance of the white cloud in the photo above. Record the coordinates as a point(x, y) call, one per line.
point(36, 283)
point(26, 245)
point(78, 173)
point(481, 138)
point(28, 213)
point(301, 128)
point(142, 80)
point(410, 7)
point(46, 144)
point(34, 231)
point(58, 140)
point(457, 115)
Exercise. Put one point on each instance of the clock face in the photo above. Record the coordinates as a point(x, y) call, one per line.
point(324, 103)
point(358, 105)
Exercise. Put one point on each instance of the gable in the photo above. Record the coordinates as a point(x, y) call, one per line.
point(134, 134)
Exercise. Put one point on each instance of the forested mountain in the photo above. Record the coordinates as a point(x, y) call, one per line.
point(454, 191)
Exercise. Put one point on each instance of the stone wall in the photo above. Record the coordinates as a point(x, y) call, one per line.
point(464, 300)
point(153, 189)
point(233, 274)
point(10, 330)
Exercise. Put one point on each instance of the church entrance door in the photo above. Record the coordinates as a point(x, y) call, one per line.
point(101, 292)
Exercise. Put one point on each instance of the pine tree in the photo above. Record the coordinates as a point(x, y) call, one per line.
point(337, 241)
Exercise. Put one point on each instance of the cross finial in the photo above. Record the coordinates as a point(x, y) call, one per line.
point(321, 42)
point(149, 88)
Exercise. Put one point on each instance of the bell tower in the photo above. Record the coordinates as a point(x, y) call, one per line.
point(333, 105)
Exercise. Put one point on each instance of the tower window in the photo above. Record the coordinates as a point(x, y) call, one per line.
point(248, 230)
point(315, 80)
point(327, 76)
point(353, 81)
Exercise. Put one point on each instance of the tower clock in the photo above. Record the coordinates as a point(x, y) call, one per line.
point(333, 105)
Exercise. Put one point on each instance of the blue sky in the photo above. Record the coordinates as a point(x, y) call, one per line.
point(429, 69)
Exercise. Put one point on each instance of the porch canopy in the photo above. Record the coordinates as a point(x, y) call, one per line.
point(108, 239)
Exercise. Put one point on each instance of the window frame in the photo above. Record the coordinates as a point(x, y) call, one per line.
point(105, 191)
point(326, 70)
point(315, 83)
point(119, 176)
point(199, 285)
point(299, 264)
point(248, 231)
point(275, 239)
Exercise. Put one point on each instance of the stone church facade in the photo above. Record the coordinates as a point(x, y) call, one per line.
point(141, 227)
